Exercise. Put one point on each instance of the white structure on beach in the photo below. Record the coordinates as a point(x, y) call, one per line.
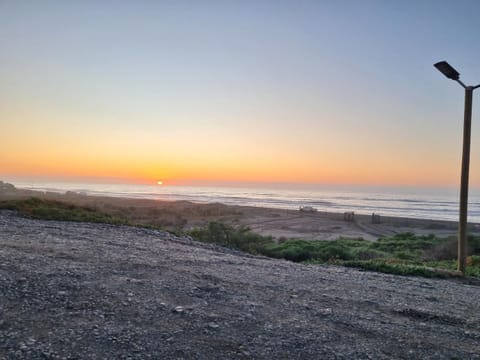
point(307, 209)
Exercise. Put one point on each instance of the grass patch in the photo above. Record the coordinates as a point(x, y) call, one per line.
point(55, 210)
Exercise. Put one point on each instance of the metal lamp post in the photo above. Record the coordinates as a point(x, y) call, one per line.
point(447, 70)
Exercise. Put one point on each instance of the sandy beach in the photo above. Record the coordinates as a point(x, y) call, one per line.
point(278, 223)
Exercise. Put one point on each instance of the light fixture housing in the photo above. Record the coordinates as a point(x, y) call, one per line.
point(446, 69)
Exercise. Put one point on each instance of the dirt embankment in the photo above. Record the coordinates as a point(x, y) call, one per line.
point(78, 290)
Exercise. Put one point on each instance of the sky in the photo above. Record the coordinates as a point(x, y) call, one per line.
point(320, 92)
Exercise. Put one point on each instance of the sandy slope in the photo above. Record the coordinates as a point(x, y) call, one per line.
point(77, 290)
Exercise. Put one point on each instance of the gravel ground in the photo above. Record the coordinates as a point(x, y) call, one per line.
point(78, 290)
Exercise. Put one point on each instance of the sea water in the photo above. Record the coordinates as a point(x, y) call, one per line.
point(425, 203)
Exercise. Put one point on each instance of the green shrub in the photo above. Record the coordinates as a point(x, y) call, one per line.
point(367, 254)
point(238, 238)
point(474, 245)
point(474, 260)
point(406, 242)
point(406, 255)
point(301, 250)
point(445, 250)
point(392, 268)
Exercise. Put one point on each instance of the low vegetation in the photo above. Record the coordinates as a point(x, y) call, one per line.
point(404, 254)
point(56, 210)
point(236, 238)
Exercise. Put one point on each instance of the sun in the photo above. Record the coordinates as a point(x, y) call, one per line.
point(159, 182)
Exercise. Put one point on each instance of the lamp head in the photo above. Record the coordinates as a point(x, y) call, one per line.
point(446, 69)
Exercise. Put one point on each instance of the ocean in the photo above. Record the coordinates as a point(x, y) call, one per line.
point(424, 203)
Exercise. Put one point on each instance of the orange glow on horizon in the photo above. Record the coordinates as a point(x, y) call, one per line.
point(143, 158)
point(258, 171)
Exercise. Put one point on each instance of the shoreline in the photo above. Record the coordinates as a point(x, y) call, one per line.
point(281, 224)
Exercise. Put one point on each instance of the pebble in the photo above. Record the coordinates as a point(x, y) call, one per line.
point(325, 311)
point(179, 309)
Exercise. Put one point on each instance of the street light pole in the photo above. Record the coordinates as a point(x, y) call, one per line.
point(462, 223)
point(447, 70)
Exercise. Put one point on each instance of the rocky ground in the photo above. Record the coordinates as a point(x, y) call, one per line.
point(78, 290)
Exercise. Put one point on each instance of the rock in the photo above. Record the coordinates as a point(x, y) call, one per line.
point(325, 311)
point(213, 326)
point(179, 309)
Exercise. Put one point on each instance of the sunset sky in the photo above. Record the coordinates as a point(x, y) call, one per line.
point(329, 92)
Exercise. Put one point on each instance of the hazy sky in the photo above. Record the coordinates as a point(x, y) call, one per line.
point(286, 91)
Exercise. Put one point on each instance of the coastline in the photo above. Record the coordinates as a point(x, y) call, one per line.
point(278, 223)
